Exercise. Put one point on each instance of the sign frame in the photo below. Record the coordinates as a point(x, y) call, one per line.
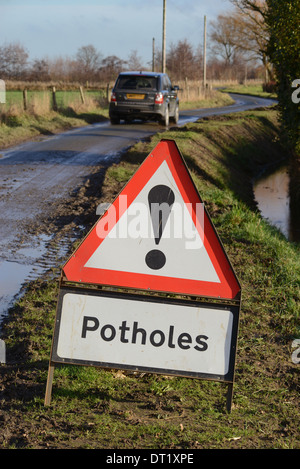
point(233, 307)
point(229, 299)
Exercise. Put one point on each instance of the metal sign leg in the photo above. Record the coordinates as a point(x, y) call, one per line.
point(49, 384)
point(229, 397)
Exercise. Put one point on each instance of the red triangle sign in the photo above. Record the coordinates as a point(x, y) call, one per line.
point(156, 236)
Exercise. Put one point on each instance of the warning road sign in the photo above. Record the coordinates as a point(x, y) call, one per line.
point(156, 236)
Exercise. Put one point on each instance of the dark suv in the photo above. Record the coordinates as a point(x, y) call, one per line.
point(144, 95)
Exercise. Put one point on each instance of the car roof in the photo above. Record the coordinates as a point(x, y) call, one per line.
point(142, 73)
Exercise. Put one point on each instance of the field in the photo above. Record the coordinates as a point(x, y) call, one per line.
point(64, 98)
point(111, 409)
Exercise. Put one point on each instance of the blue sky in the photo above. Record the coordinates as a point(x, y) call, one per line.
point(56, 28)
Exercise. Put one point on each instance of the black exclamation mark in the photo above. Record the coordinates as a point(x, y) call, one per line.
point(160, 199)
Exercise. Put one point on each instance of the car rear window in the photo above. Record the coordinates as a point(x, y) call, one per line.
point(137, 82)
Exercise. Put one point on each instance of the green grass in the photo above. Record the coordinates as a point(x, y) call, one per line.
point(17, 125)
point(254, 90)
point(22, 127)
point(94, 408)
point(119, 173)
point(217, 99)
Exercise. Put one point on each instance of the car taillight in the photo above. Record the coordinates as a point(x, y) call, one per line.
point(159, 98)
point(113, 97)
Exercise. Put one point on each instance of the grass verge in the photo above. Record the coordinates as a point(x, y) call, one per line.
point(254, 90)
point(94, 408)
point(28, 126)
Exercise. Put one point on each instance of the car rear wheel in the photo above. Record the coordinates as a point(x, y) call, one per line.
point(166, 118)
point(115, 120)
point(175, 118)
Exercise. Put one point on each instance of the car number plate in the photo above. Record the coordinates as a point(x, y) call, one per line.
point(135, 96)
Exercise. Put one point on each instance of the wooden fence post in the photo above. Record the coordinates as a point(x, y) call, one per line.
point(54, 103)
point(25, 102)
point(81, 95)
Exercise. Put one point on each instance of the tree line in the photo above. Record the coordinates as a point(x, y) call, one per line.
point(237, 42)
point(88, 64)
point(237, 50)
point(182, 61)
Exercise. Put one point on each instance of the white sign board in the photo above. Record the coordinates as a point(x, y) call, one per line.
point(135, 332)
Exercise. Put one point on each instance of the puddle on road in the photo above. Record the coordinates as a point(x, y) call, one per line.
point(28, 263)
point(21, 266)
point(43, 254)
point(12, 275)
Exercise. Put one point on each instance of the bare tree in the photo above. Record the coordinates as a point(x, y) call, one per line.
point(111, 66)
point(63, 68)
point(13, 61)
point(223, 34)
point(39, 70)
point(134, 62)
point(252, 31)
point(89, 61)
point(183, 61)
point(258, 6)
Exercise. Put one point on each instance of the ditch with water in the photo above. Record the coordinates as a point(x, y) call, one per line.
point(274, 197)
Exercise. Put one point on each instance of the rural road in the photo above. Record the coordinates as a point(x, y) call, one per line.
point(37, 180)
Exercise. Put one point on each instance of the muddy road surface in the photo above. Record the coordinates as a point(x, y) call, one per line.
point(50, 188)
